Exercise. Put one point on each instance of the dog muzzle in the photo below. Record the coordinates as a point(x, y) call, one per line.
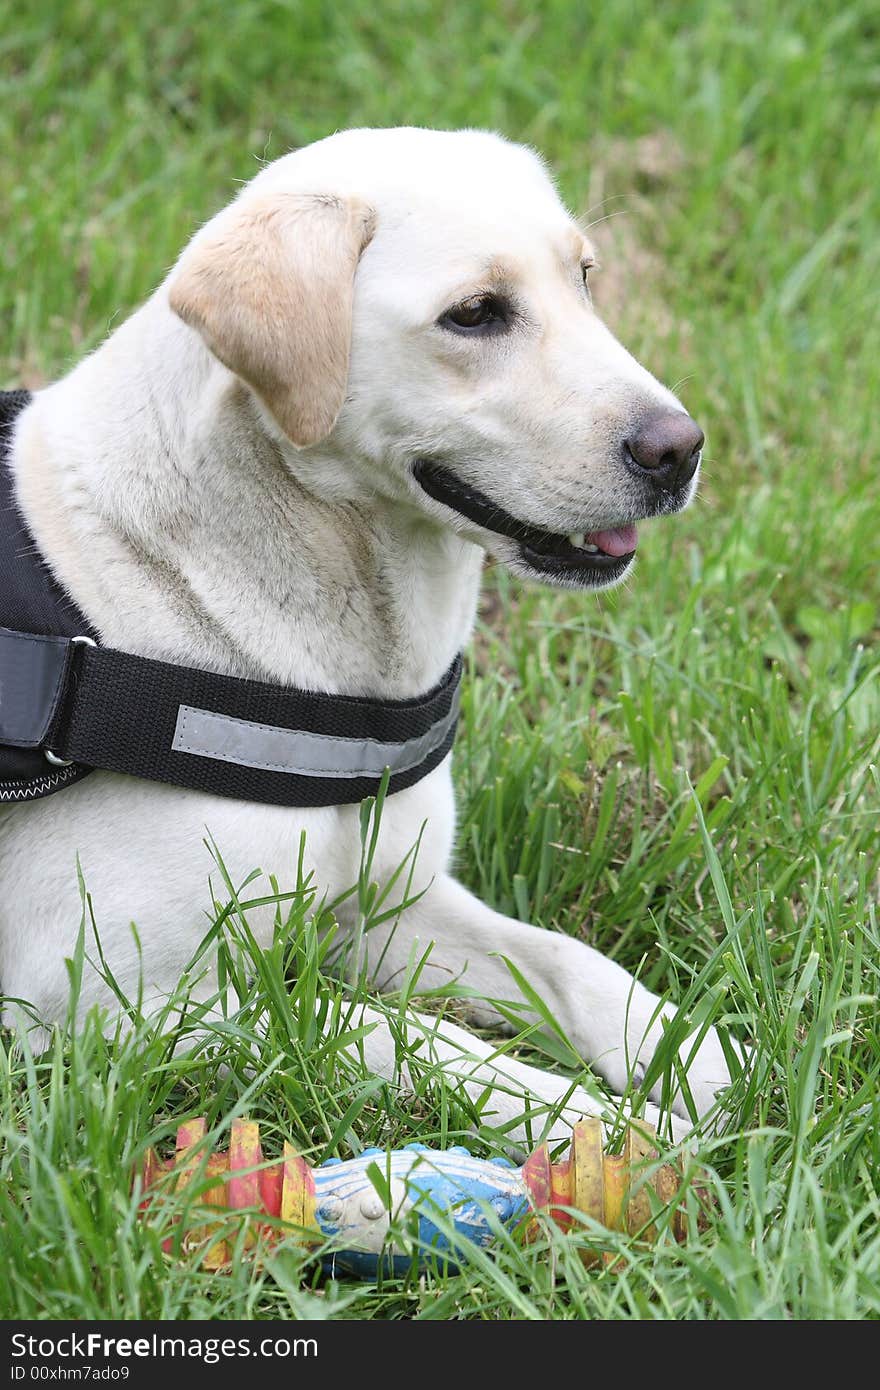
point(69, 705)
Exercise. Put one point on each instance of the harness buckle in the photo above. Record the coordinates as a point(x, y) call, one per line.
point(47, 752)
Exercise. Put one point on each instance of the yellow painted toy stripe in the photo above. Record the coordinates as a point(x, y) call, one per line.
point(189, 1154)
point(615, 1191)
point(638, 1151)
point(588, 1175)
point(297, 1191)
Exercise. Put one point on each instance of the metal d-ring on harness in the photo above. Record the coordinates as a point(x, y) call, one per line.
point(71, 704)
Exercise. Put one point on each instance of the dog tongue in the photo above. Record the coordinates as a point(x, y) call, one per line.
point(620, 541)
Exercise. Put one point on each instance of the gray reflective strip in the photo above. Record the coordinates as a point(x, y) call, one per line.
point(266, 746)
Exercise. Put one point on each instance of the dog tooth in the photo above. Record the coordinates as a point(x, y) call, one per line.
point(592, 549)
point(577, 540)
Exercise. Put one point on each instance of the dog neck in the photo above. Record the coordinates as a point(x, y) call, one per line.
point(178, 525)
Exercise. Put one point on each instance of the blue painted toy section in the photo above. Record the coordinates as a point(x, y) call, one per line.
point(414, 1187)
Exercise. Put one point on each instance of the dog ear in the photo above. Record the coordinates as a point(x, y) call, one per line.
point(270, 292)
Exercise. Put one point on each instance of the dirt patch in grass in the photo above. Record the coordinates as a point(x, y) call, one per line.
point(629, 183)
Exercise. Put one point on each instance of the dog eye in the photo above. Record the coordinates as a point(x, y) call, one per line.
point(479, 311)
point(586, 267)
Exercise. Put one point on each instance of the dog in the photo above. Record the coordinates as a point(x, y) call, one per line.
point(378, 363)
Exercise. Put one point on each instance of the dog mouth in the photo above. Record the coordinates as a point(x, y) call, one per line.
point(590, 558)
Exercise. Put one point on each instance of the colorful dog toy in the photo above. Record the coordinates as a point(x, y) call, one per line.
point(352, 1204)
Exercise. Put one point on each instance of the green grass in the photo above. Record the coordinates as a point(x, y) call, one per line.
point(733, 149)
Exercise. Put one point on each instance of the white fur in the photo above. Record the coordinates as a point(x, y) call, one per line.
point(188, 527)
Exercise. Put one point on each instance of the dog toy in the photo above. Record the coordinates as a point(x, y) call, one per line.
point(351, 1204)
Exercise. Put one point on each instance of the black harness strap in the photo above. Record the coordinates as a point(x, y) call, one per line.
point(68, 706)
point(124, 713)
point(32, 602)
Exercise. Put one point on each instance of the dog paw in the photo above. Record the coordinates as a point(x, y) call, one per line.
point(707, 1072)
point(611, 1109)
point(705, 1068)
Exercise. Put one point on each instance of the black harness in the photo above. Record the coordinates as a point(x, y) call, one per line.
point(69, 705)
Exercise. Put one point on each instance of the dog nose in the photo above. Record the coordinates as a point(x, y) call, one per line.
point(666, 448)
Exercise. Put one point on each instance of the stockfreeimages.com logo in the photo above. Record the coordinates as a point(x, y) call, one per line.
point(92, 1347)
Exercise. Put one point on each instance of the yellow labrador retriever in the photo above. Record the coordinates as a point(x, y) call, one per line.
point(378, 363)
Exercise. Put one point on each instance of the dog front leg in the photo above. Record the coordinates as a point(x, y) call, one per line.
point(522, 1103)
point(609, 1018)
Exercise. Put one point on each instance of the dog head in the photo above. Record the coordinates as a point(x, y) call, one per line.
point(411, 309)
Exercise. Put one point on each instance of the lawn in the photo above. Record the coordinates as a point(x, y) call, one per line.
point(684, 772)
